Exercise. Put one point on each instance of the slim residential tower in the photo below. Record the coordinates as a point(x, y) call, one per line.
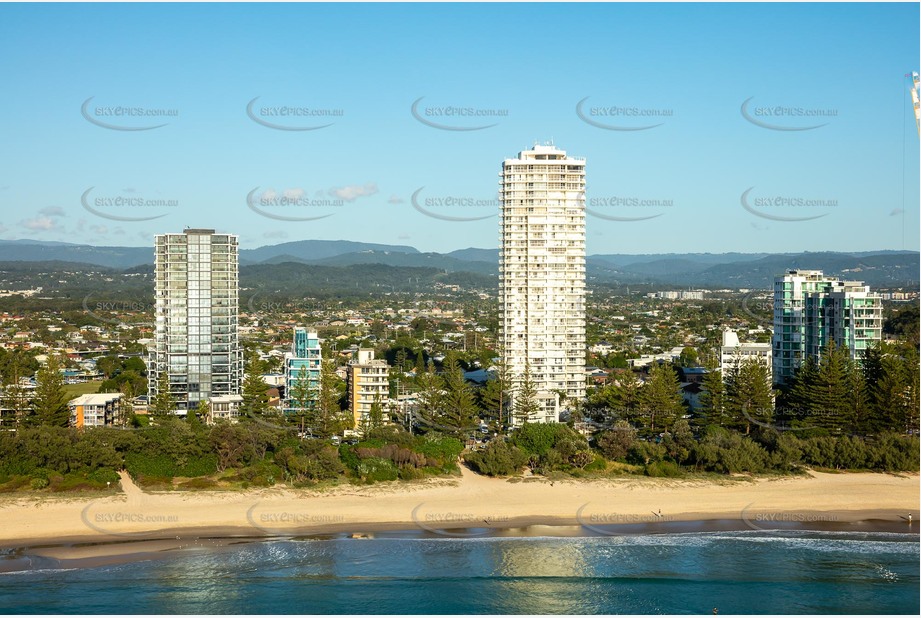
point(542, 277)
point(196, 311)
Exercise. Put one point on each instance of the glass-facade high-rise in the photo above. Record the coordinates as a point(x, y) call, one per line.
point(811, 309)
point(304, 359)
point(196, 311)
point(542, 276)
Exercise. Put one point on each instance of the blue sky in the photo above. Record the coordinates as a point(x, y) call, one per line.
point(527, 67)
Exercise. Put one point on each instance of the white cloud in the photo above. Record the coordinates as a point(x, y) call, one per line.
point(52, 211)
point(269, 194)
point(293, 194)
point(350, 193)
point(394, 199)
point(99, 229)
point(275, 234)
point(39, 224)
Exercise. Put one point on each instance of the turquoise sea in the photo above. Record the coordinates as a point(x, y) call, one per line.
point(739, 572)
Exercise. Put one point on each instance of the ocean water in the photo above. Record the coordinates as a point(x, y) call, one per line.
point(742, 572)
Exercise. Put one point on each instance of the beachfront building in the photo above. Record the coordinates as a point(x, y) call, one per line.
point(811, 309)
point(303, 362)
point(95, 410)
point(224, 408)
point(367, 383)
point(196, 307)
point(542, 276)
point(734, 351)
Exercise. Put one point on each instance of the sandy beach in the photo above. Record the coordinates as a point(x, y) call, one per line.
point(133, 521)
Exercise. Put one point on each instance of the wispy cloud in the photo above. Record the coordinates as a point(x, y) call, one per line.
point(395, 199)
point(275, 234)
point(39, 224)
point(52, 211)
point(350, 193)
point(896, 212)
point(99, 229)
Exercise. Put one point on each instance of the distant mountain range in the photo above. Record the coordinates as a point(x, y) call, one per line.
point(713, 270)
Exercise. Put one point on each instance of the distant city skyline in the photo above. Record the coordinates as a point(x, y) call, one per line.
point(702, 133)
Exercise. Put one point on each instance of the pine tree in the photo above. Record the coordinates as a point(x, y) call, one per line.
point(330, 419)
point(494, 395)
point(830, 397)
point(713, 398)
point(749, 399)
point(301, 395)
point(661, 398)
point(526, 405)
point(50, 400)
point(254, 391)
point(430, 397)
point(458, 410)
point(15, 398)
point(163, 407)
point(799, 396)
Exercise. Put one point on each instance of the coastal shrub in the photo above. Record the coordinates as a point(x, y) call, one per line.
point(410, 473)
point(444, 449)
point(892, 452)
point(198, 483)
point(744, 455)
point(598, 465)
point(499, 458)
point(348, 457)
point(375, 469)
point(38, 483)
point(643, 453)
point(103, 476)
point(163, 465)
point(536, 438)
point(75, 481)
point(615, 442)
point(787, 453)
point(850, 452)
point(312, 460)
point(663, 468)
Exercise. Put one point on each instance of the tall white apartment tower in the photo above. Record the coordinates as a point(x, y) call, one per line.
point(196, 311)
point(542, 275)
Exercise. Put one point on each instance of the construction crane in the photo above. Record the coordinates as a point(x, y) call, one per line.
point(915, 95)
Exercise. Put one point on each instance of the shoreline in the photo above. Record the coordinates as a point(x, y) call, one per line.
point(91, 552)
point(135, 525)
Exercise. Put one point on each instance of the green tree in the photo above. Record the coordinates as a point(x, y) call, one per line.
point(49, 401)
point(661, 398)
point(494, 394)
point(163, 406)
point(713, 398)
point(15, 398)
point(255, 390)
point(330, 418)
point(301, 396)
point(749, 400)
point(526, 405)
point(458, 410)
point(430, 395)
